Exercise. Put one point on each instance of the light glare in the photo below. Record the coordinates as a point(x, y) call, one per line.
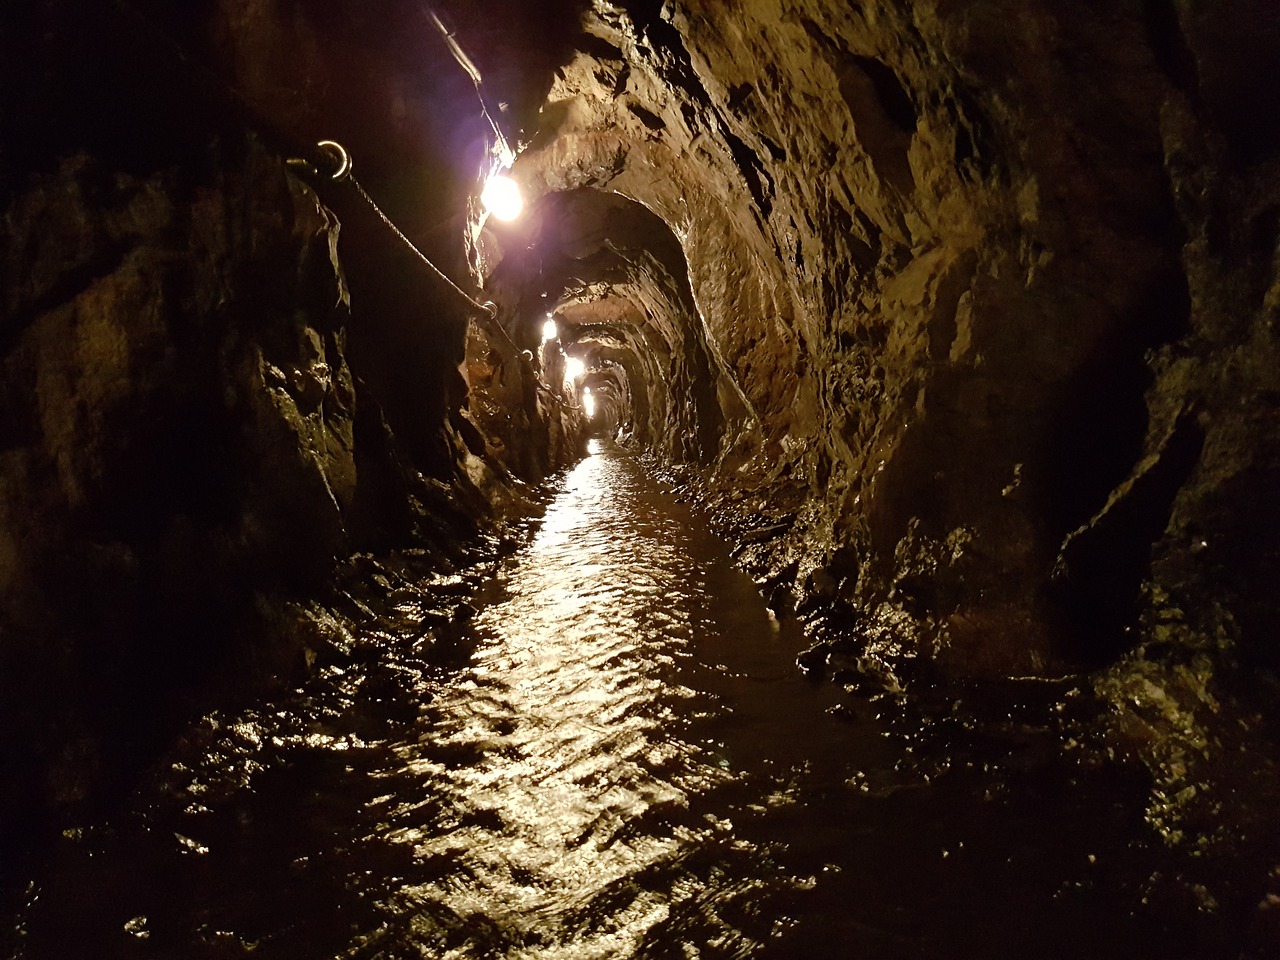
point(573, 369)
point(501, 197)
point(549, 330)
point(588, 403)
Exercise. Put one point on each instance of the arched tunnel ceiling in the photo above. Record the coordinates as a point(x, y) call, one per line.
point(964, 318)
point(615, 279)
point(915, 272)
point(894, 257)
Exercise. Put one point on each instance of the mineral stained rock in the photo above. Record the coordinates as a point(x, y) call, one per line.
point(211, 393)
point(962, 315)
point(980, 298)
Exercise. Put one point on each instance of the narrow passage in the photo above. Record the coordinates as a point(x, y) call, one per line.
point(627, 765)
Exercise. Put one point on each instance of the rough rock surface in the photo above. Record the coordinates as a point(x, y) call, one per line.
point(210, 395)
point(178, 420)
point(962, 316)
point(949, 290)
point(982, 301)
point(926, 274)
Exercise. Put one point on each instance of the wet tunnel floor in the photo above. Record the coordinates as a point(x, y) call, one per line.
point(627, 765)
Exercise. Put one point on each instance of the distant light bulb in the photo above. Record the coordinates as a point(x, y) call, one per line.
point(588, 403)
point(501, 197)
point(573, 369)
point(549, 331)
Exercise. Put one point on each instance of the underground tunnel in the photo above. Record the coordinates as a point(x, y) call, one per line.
point(639, 478)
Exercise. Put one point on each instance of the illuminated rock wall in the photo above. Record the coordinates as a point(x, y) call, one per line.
point(984, 311)
point(211, 392)
point(963, 316)
point(958, 273)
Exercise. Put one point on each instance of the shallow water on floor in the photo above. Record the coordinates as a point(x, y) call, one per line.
point(627, 765)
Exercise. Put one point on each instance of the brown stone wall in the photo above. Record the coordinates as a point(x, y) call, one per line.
point(938, 252)
point(210, 394)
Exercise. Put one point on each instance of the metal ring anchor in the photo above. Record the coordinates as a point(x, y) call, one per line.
point(340, 155)
point(337, 153)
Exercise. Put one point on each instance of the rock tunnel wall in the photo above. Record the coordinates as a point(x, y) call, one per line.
point(951, 265)
point(988, 293)
point(635, 314)
point(219, 380)
point(961, 314)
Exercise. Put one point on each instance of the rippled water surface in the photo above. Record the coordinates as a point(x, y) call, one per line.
point(628, 765)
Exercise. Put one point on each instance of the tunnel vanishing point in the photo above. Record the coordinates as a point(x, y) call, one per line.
point(960, 319)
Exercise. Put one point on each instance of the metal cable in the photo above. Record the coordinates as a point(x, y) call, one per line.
point(332, 152)
point(506, 154)
point(486, 308)
point(331, 159)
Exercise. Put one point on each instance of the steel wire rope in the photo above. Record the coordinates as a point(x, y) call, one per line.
point(343, 173)
point(311, 161)
point(488, 307)
point(506, 154)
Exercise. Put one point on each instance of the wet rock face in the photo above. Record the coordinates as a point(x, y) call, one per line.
point(961, 273)
point(988, 294)
point(633, 324)
point(178, 420)
point(209, 393)
point(965, 312)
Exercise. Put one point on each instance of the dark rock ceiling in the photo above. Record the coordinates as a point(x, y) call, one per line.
point(963, 316)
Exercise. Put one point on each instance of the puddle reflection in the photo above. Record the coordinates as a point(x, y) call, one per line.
point(627, 766)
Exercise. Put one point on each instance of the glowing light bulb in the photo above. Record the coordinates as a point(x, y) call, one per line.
point(549, 330)
point(501, 197)
point(573, 369)
point(588, 403)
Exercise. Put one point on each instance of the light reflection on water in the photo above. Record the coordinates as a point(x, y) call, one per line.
point(576, 789)
point(575, 716)
point(628, 765)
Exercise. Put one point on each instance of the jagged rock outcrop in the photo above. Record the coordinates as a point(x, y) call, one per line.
point(178, 413)
point(982, 299)
point(927, 272)
point(963, 314)
point(944, 290)
point(210, 394)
